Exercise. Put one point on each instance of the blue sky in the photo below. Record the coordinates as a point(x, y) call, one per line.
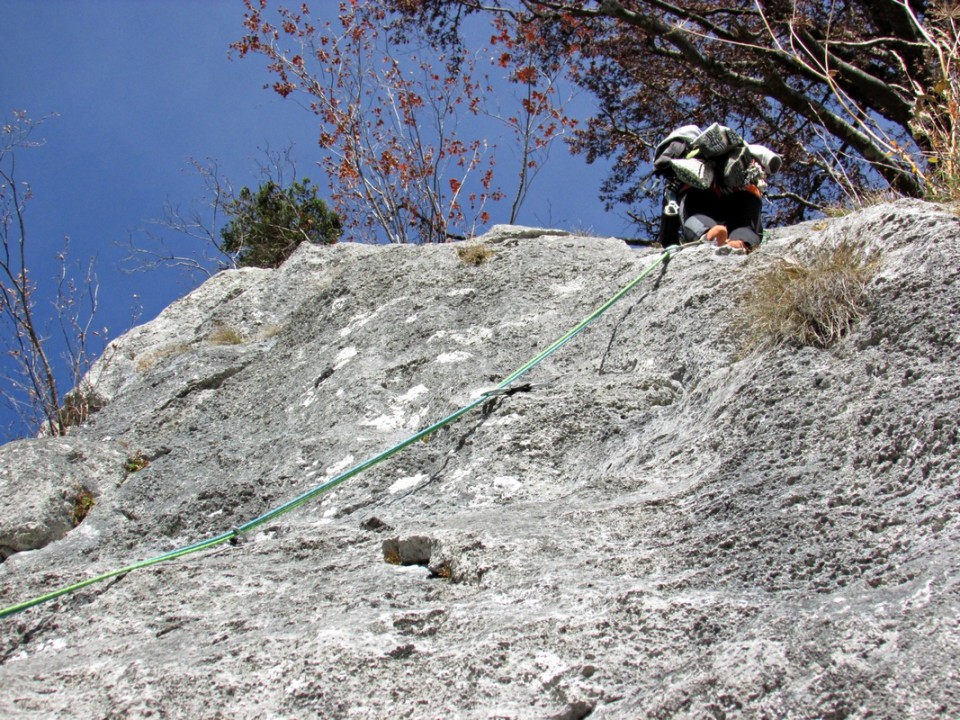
point(139, 88)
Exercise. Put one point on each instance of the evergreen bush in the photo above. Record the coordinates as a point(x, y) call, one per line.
point(266, 226)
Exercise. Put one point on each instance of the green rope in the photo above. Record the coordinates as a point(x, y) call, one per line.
point(333, 482)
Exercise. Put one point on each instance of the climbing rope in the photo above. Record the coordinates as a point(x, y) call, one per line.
point(234, 533)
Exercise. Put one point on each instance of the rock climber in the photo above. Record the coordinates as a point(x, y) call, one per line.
point(715, 183)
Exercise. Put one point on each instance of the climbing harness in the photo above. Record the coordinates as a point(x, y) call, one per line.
point(235, 533)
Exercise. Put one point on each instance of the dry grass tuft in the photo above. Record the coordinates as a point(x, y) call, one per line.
point(269, 331)
point(79, 404)
point(148, 360)
point(223, 335)
point(857, 200)
point(474, 254)
point(810, 300)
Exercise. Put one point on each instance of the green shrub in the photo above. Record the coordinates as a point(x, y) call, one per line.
point(267, 226)
point(812, 299)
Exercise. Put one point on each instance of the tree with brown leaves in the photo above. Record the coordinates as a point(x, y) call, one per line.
point(855, 94)
point(402, 123)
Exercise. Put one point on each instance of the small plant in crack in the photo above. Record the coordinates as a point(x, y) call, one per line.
point(83, 502)
point(443, 571)
point(136, 463)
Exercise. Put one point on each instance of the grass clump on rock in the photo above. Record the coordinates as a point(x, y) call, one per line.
point(79, 404)
point(474, 254)
point(224, 335)
point(811, 299)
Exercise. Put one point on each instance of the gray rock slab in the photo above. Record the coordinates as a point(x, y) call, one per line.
point(661, 527)
point(50, 486)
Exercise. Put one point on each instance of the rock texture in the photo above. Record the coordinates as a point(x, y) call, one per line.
point(660, 528)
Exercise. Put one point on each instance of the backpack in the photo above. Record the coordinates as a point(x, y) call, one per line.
point(666, 160)
point(717, 156)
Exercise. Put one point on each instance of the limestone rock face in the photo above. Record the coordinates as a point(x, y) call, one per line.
point(50, 486)
point(661, 527)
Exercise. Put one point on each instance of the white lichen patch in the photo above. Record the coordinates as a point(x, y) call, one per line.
point(493, 491)
point(470, 336)
point(413, 393)
point(399, 416)
point(361, 319)
point(405, 483)
point(344, 356)
point(521, 321)
point(396, 419)
point(453, 357)
point(339, 467)
point(507, 484)
point(574, 286)
point(457, 475)
point(474, 337)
